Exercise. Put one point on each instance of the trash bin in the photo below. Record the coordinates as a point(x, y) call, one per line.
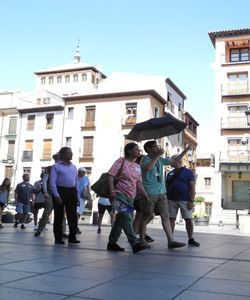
point(95, 218)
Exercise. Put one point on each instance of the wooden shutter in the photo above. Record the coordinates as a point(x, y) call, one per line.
point(88, 146)
point(90, 116)
point(29, 145)
point(47, 145)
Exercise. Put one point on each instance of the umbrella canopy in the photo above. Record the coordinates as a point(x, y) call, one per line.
point(156, 128)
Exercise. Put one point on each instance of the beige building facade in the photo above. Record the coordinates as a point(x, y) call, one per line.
point(232, 69)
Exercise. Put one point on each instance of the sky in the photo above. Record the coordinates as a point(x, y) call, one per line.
point(160, 37)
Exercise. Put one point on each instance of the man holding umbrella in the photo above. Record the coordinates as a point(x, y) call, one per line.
point(154, 184)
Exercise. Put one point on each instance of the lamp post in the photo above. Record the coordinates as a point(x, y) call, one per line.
point(247, 113)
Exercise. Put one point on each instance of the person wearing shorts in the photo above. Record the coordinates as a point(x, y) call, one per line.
point(154, 184)
point(23, 195)
point(103, 205)
point(180, 184)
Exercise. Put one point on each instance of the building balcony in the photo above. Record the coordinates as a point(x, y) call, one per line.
point(8, 159)
point(235, 156)
point(128, 122)
point(234, 123)
point(225, 61)
point(88, 126)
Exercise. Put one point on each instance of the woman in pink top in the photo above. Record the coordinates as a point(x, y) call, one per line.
point(124, 180)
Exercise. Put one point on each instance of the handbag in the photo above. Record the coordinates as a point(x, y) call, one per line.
point(101, 187)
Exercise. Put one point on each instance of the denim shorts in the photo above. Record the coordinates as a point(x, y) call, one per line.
point(22, 208)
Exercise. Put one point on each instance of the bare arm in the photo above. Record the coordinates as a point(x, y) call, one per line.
point(141, 189)
point(111, 187)
point(149, 166)
point(192, 190)
point(179, 157)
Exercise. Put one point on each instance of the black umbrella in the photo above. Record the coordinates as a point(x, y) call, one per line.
point(156, 128)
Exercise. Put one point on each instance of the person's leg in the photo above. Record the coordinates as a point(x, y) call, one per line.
point(162, 208)
point(116, 229)
point(1, 215)
point(127, 226)
point(101, 211)
point(35, 213)
point(69, 198)
point(48, 207)
point(187, 215)
point(147, 213)
point(58, 220)
point(172, 212)
point(189, 228)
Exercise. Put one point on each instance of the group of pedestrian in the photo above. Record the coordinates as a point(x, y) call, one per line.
point(135, 182)
point(61, 188)
point(146, 182)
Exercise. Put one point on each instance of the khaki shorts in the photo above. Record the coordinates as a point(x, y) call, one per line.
point(157, 204)
point(174, 206)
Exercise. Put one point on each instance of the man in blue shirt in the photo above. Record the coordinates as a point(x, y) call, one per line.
point(63, 185)
point(23, 195)
point(181, 192)
point(154, 184)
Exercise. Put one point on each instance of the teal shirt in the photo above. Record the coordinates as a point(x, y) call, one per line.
point(153, 180)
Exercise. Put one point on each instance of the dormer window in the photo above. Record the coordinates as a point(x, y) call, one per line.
point(67, 78)
point(75, 78)
point(84, 77)
point(43, 80)
point(59, 79)
point(241, 54)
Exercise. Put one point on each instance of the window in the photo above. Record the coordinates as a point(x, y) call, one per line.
point(47, 145)
point(68, 141)
point(31, 122)
point(237, 83)
point(38, 101)
point(49, 121)
point(59, 79)
point(28, 152)
point(75, 78)
point(207, 181)
point(67, 78)
point(88, 146)
point(93, 79)
point(70, 112)
point(8, 173)
point(12, 126)
point(11, 149)
point(51, 79)
point(131, 112)
point(43, 80)
point(241, 54)
point(84, 77)
point(156, 112)
point(26, 170)
point(89, 116)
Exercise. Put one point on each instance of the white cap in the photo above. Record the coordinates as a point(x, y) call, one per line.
point(82, 169)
